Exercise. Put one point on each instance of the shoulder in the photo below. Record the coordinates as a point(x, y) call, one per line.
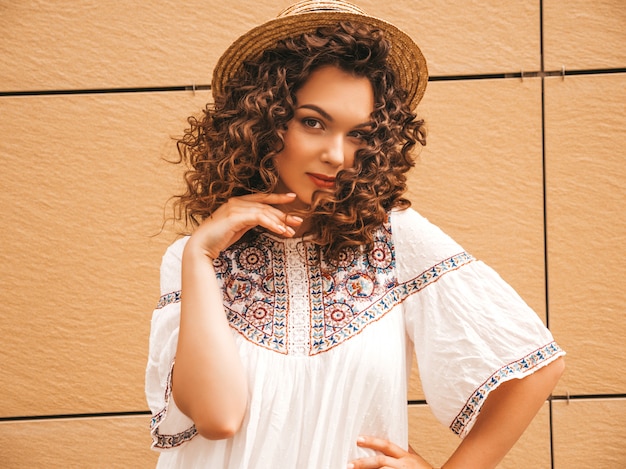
point(408, 220)
point(408, 226)
point(418, 243)
point(171, 266)
point(174, 251)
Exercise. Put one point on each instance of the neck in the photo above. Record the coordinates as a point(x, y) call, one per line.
point(303, 228)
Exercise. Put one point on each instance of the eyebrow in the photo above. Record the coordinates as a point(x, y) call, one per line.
point(328, 117)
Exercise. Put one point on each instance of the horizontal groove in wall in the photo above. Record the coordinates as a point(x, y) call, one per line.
point(193, 88)
point(529, 74)
point(150, 89)
point(577, 397)
point(581, 397)
point(31, 418)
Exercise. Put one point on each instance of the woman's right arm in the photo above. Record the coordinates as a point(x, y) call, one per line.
point(208, 381)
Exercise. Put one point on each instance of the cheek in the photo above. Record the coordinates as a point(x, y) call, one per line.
point(278, 164)
point(294, 153)
point(284, 164)
point(351, 156)
point(350, 159)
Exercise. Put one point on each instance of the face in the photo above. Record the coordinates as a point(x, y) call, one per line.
point(333, 111)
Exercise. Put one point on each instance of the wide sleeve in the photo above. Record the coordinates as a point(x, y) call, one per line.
point(471, 331)
point(169, 427)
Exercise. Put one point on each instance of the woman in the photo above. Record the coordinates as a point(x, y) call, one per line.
point(284, 333)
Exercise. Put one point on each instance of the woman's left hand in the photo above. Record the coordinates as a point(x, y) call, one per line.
point(392, 457)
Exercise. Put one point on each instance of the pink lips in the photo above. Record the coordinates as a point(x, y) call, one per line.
point(322, 181)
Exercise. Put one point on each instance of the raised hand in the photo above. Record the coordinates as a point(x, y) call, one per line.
point(240, 214)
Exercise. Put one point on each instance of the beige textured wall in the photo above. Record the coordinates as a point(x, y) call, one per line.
point(524, 167)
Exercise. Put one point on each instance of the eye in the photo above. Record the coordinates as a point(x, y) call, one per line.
point(360, 135)
point(311, 123)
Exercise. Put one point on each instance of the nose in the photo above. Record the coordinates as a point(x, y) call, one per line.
point(334, 152)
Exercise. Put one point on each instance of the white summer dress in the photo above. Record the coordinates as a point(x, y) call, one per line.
point(327, 347)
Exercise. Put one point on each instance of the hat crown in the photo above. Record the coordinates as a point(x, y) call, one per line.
point(312, 6)
point(306, 17)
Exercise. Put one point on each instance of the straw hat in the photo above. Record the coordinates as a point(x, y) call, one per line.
point(306, 16)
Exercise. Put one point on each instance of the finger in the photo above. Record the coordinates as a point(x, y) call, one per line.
point(276, 224)
point(374, 462)
point(245, 211)
point(250, 203)
point(380, 444)
point(273, 198)
point(272, 219)
point(293, 220)
point(274, 215)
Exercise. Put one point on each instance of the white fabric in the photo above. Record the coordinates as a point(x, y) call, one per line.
point(327, 350)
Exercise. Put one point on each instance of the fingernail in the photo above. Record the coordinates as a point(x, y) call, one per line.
point(350, 466)
point(290, 194)
point(360, 439)
point(296, 218)
point(290, 231)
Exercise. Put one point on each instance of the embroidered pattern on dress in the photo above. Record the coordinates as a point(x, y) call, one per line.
point(173, 297)
point(472, 406)
point(299, 285)
point(345, 296)
point(169, 441)
point(253, 278)
point(435, 272)
point(281, 296)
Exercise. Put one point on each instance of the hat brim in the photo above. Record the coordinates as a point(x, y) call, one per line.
point(404, 57)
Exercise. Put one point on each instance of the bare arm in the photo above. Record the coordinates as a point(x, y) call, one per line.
point(208, 382)
point(505, 415)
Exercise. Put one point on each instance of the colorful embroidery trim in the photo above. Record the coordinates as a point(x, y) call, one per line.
point(436, 272)
point(168, 298)
point(172, 441)
point(258, 305)
point(516, 369)
point(168, 441)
